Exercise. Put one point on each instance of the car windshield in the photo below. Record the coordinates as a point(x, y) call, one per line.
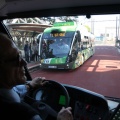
point(86, 58)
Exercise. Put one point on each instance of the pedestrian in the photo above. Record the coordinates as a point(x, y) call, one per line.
point(35, 51)
point(13, 81)
point(30, 55)
point(26, 51)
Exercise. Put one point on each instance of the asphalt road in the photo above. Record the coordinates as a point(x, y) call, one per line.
point(100, 73)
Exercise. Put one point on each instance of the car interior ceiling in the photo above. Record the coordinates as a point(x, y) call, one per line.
point(12, 8)
point(71, 11)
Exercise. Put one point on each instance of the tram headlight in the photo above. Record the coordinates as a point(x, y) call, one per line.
point(67, 65)
point(40, 64)
point(68, 59)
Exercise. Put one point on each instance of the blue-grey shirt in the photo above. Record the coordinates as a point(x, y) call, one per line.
point(21, 90)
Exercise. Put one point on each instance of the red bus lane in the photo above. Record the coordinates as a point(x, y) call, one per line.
point(101, 73)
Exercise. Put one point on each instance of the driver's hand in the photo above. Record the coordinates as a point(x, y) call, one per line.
point(65, 114)
point(38, 81)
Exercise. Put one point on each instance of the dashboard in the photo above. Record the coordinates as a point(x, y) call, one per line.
point(86, 105)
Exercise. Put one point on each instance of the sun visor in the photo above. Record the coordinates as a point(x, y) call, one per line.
point(2, 4)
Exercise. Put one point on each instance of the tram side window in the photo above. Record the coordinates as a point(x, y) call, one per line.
point(75, 48)
point(78, 40)
point(76, 43)
point(85, 43)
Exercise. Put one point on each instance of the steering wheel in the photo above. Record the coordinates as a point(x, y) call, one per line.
point(43, 108)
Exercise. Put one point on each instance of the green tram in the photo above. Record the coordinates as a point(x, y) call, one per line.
point(65, 45)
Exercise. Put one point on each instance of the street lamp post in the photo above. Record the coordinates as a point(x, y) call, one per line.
point(116, 41)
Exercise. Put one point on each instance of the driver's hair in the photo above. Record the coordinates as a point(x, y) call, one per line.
point(5, 42)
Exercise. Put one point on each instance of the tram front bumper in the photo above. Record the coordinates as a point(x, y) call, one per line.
point(58, 66)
